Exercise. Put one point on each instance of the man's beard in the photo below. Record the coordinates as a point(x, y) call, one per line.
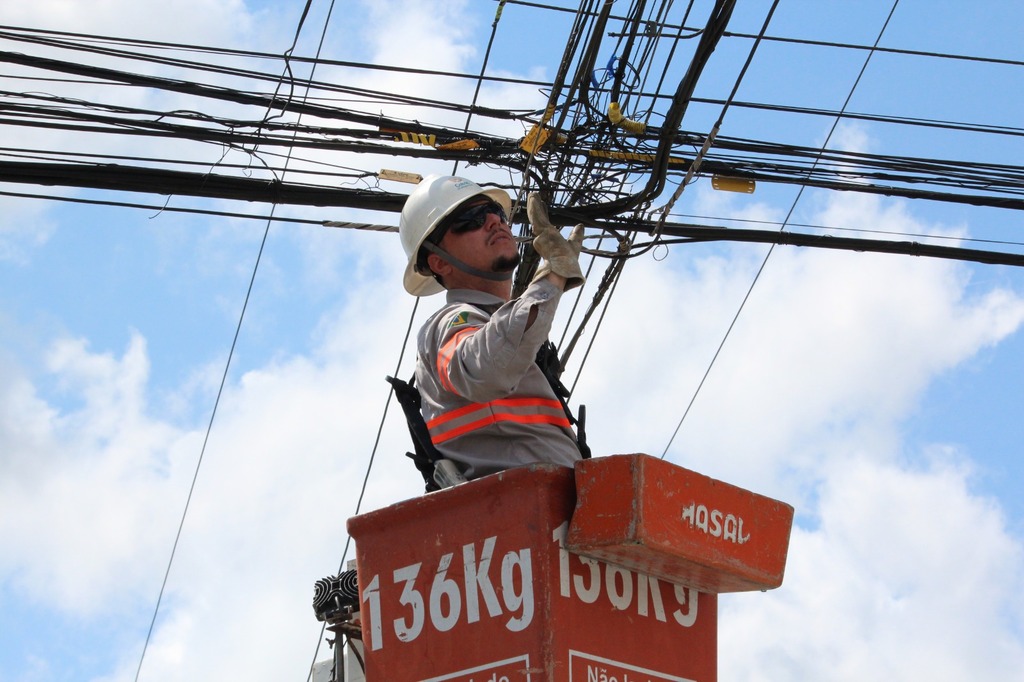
point(505, 263)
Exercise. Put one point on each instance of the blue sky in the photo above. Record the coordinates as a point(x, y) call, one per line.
point(880, 395)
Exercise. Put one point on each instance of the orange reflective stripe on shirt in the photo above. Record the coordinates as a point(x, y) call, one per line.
point(444, 356)
point(510, 410)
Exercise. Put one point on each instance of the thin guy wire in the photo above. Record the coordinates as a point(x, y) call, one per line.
point(213, 412)
point(369, 467)
point(771, 249)
point(202, 452)
point(483, 71)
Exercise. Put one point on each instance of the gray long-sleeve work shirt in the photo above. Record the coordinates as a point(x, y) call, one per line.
point(487, 404)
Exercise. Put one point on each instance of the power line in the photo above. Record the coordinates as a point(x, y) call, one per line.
point(954, 180)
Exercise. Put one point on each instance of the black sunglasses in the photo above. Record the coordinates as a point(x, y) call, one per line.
point(474, 218)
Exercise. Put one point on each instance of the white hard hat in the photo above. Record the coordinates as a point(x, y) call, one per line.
point(430, 203)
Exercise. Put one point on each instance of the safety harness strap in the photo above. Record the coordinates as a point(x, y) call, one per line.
point(426, 455)
point(551, 366)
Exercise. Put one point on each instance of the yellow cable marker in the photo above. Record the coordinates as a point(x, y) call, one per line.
point(417, 138)
point(459, 145)
point(537, 137)
point(633, 156)
point(629, 125)
point(727, 184)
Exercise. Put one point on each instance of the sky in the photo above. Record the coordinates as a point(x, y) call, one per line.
point(879, 395)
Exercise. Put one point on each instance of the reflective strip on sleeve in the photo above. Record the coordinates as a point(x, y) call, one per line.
point(510, 410)
point(444, 356)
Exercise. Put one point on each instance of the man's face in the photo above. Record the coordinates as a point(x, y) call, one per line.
point(479, 236)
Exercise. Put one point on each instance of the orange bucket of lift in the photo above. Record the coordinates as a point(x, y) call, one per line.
point(652, 516)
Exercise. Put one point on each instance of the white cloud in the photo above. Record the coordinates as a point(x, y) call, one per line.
point(23, 227)
point(90, 483)
point(282, 471)
point(421, 35)
point(203, 20)
point(830, 349)
point(906, 572)
point(26, 422)
point(909, 576)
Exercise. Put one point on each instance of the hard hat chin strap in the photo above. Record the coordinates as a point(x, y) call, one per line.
point(468, 269)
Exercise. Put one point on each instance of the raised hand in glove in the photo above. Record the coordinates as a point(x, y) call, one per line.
point(561, 256)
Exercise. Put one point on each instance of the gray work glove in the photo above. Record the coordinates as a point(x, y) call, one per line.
point(561, 256)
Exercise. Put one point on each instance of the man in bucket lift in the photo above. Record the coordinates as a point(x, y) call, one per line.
point(487, 404)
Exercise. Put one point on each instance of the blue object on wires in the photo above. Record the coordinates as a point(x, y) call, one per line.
point(608, 71)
